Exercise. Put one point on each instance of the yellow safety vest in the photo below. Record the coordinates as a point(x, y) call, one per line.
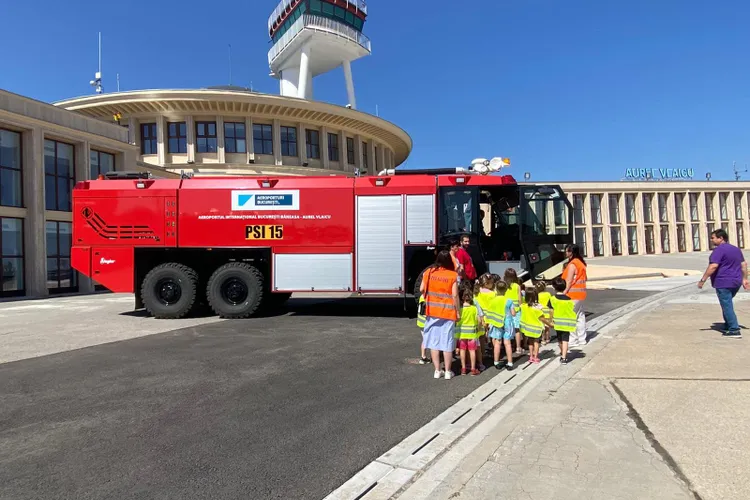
point(467, 326)
point(564, 315)
point(531, 324)
point(494, 314)
point(420, 317)
point(484, 299)
point(512, 293)
point(543, 301)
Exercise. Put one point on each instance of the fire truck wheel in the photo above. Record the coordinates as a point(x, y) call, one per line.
point(169, 290)
point(235, 290)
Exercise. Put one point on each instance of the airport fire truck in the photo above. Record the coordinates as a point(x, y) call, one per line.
point(243, 244)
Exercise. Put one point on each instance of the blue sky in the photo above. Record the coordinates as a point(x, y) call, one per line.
point(574, 90)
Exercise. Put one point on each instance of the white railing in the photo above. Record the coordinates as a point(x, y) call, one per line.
point(360, 5)
point(318, 23)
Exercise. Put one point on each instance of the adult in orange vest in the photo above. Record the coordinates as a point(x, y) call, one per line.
point(440, 289)
point(575, 280)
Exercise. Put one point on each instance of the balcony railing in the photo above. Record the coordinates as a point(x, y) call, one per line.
point(319, 23)
point(361, 5)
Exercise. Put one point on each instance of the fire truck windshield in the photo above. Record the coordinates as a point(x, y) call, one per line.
point(458, 211)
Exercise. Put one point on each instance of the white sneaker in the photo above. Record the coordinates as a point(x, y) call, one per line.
point(448, 375)
point(439, 373)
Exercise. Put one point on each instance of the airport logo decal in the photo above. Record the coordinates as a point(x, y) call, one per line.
point(254, 200)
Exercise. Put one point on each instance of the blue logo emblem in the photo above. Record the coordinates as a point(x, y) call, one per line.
point(267, 199)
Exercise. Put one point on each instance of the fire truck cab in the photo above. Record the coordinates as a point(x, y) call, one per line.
point(242, 244)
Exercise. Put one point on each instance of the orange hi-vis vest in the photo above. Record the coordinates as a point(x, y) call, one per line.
point(578, 288)
point(439, 294)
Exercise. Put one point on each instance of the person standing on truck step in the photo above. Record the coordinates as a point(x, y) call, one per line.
point(575, 279)
point(440, 289)
point(468, 271)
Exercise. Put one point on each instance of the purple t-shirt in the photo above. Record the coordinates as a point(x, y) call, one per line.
point(730, 259)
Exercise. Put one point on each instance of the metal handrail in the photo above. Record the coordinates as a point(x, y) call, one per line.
point(318, 23)
point(360, 5)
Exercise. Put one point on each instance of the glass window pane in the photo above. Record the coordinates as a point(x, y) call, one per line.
point(12, 274)
point(50, 190)
point(49, 157)
point(212, 129)
point(228, 130)
point(65, 238)
point(63, 194)
point(106, 163)
point(183, 129)
point(173, 145)
point(12, 237)
point(241, 147)
point(201, 146)
point(239, 130)
point(51, 232)
point(53, 275)
point(65, 164)
point(10, 187)
point(229, 146)
point(10, 149)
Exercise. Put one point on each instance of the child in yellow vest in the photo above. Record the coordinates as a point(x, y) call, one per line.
point(563, 317)
point(499, 316)
point(421, 318)
point(514, 292)
point(484, 293)
point(544, 296)
point(468, 328)
point(533, 322)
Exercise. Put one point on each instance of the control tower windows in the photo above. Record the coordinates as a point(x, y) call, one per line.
point(205, 133)
point(177, 135)
point(288, 141)
point(313, 144)
point(262, 139)
point(234, 137)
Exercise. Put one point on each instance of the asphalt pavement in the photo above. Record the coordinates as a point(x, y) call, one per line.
point(287, 406)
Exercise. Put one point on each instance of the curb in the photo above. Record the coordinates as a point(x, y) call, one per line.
point(400, 467)
point(628, 276)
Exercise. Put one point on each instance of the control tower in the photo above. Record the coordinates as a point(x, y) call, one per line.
point(312, 37)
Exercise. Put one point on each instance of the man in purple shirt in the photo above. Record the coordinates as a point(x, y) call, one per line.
point(728, 271)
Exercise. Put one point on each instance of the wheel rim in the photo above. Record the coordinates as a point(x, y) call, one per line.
point(234, 291)
point(168, 291)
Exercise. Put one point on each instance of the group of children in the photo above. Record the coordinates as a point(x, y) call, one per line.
point(500, 310)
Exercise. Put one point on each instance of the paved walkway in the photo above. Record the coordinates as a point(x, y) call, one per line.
point(655, 407)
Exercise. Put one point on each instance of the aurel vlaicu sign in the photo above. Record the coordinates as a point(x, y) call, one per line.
point(659, 173)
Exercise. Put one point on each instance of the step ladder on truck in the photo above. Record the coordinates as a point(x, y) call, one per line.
point(244, 244)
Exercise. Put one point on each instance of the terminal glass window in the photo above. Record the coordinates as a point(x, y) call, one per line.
point(679, 199)
point(630, 208)
point(205, 137)
point(288, 141)
point(616, 239)
point(148, 139)
point(696, 237)
point(598, 237)
point(649, 233)
point(632, 240)
point(11, 192)
point(710, 229)
point(663, 216)
point(664, 232)
point(177, 135)
point(333, 147)
point(234, 138)
point(723, 209)
point(681, 244)
point(59, 175)
point(596, 208)
point(100, 163)
point(313, 143)
point(579, 216)
point(709, 206)
point(11, 257)
point(350, 150)
point(614, 209)
point(579, 235)
point(693, 207)
point(738, 206)
point(740, 235)
point(263, 139)
point(60, 275)
point(647, 202)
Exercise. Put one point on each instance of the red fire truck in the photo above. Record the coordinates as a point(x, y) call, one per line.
point(240, 244)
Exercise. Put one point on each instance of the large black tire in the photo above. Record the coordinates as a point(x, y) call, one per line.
point(235, 290)
point(169, 290)
point(418, 282)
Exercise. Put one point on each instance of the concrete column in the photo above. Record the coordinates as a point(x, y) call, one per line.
point(381, 158)
point(702, 220)
point(221, 156)
point(133, 136)
point(674, 246)
point(249, 139)
point(161, 140)
point(640, 217)
point(745, 215)
point(304, 73)
point(276, 133)
point(623, 225)
point(371, 158)
point(349, 84)
point(589, 224)
point(190, 125)
point(82, 172)
point(343, 163)
point(606, 224)
point(301, 143)
point(358, 160)
point(325, 159)
point(34, 237)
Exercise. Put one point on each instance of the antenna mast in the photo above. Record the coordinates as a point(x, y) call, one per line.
point(230, 64)
point(97, 81)
point(737, 172)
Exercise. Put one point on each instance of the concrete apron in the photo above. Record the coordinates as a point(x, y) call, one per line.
point(416, 466)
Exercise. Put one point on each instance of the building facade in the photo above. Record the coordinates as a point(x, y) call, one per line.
point(230, 131)
point(653, 217)
point(44, 151)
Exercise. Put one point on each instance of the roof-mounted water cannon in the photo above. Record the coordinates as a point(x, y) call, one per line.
point(484, 166)
point(480, 166)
